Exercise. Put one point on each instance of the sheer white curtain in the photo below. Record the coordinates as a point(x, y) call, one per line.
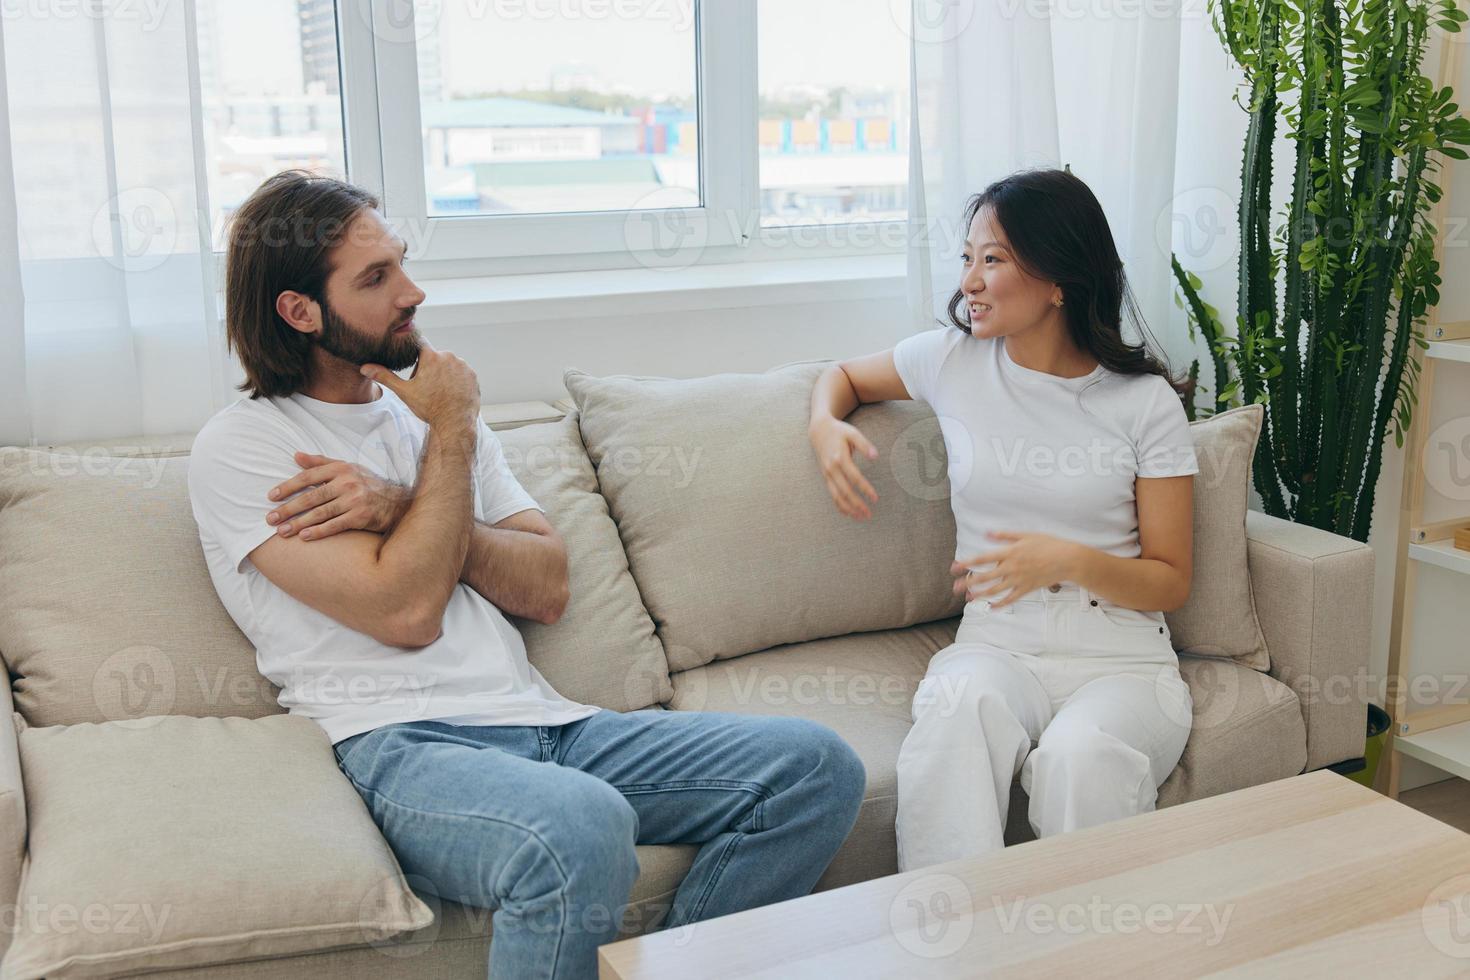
point(112, 329)
point(1003, 85)
point(15, 423)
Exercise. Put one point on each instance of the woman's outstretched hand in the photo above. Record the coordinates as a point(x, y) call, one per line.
point(835, 442)
point(1029, 562)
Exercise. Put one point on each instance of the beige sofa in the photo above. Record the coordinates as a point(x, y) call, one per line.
point(709, 572)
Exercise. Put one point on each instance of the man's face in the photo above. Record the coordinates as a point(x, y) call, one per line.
point(369, 302)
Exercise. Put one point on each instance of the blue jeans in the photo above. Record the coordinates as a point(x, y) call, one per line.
point(539, 823)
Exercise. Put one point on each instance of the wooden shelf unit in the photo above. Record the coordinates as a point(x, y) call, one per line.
point(1438, 736)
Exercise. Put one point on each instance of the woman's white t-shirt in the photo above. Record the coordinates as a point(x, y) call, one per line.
point(1033, 452)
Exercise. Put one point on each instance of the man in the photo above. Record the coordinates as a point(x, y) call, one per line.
point(379, 615)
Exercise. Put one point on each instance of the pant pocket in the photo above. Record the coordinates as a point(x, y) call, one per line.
point(1122, 617)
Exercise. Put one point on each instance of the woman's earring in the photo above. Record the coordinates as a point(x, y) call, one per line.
point(1057, 304)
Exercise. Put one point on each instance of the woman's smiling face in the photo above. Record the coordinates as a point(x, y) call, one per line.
point(1000, 297)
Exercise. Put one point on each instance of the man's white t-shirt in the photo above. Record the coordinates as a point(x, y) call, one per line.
point(476, 673)
point(1033, 452)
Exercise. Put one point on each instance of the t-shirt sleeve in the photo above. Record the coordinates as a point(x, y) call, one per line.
point(919, 357)
point(1165, 444)
point(501, 494)
point(232, 468)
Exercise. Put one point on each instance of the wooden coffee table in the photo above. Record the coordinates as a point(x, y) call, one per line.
point(1312, 875)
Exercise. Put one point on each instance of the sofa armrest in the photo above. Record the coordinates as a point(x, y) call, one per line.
point(1313, 591)
point(12, 815)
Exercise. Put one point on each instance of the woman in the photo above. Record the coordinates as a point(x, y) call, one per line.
point(1070, 468)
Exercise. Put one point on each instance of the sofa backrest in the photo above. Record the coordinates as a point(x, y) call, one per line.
point(603, 649)
point(737, 547)
point(729, 530)
point(107, 611)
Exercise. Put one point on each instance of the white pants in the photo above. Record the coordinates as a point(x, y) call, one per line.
point(1093, 686)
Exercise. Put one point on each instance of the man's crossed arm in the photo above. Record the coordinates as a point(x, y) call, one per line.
point(519, 564)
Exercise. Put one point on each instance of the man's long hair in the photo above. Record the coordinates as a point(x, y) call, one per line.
point(281, 239)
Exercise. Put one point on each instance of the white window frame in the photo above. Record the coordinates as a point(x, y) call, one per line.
point(384, 151)
point(380, 104)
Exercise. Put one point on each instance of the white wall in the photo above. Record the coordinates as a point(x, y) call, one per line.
point(525, 361)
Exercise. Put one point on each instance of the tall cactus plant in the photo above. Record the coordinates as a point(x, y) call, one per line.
point(1331, 298)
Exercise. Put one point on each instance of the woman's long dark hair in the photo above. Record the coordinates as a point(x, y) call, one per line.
point(1058, 233)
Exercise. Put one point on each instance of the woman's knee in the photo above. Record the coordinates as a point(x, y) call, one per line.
point(963, 698)
point(1088, 748)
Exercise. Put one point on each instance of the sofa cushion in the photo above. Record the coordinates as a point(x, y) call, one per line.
point(457, 943)
point(862, 687)
point(1247, 726)
point(173, 841)
point(1219, 619)
point(107, 611)
point(1247, 729)
point(603, 649)
point(729, 531)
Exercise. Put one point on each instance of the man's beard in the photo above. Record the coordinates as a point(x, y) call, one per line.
point(394, 351)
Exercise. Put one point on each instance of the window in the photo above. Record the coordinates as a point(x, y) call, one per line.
point(568, 108)
point(269, 83)
point(834, 107)
point(668, 131)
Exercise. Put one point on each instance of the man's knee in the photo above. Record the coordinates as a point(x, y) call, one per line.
point(584, 843)
point(824, 761)
point(598, 825)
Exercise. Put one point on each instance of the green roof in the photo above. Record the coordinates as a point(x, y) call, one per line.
point(486, 113)
point(608, 170)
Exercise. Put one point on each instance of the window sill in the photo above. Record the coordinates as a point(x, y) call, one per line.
point(492, 300)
